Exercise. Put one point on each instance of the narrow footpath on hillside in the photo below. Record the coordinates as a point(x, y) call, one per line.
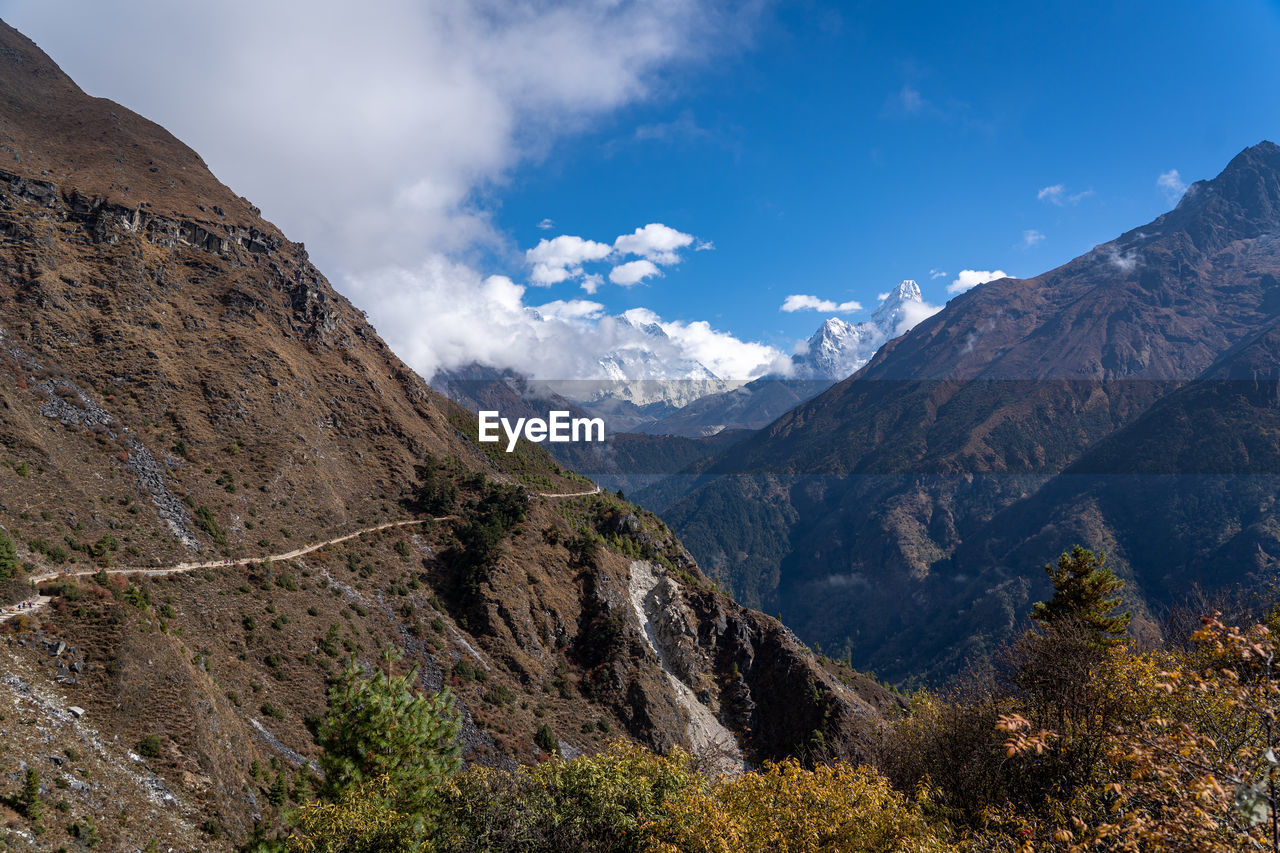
point(594, 491)
point(40, 601)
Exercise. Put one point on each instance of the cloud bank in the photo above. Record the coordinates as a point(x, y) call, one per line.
point(633, 272)
point(377, 133)
point(655, 242)
point(444, 314)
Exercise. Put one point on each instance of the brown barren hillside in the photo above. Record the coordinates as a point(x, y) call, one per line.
point(178, 384)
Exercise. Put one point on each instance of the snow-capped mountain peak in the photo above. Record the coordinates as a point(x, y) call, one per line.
point(889, 315)
point(833, 347)
point(643, 321)
point(839, 348)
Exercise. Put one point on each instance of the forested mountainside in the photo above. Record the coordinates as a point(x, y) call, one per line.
point(901, 518)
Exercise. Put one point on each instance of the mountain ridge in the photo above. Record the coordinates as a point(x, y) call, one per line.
point(178, 383)
point(874, 483)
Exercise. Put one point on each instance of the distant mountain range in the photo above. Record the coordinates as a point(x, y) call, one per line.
point(833, 352)
point(638, 390)
point(1126, 401)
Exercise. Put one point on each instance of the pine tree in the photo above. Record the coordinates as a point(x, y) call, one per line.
point(1084, 592)
point(29, 800)
point(584, 550)
point(380, 726)
point(8, 557)
point(436, 494)
point(1065, 668)
point(546, 740)
point(279, 791)
point(301, 788)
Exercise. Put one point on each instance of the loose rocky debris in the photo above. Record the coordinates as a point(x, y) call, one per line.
point(65, 662)
point(87, 413)
point(290, 755)
point(168, 506)
point(668, 629)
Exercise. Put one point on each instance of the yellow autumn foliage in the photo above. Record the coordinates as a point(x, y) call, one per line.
point(593, 802)
point(785, 808)
point(360, 821)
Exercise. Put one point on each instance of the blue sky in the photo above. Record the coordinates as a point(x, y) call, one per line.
point(829, 149)
point(851, 146)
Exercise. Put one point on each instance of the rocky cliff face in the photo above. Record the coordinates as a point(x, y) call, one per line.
point(179, 385)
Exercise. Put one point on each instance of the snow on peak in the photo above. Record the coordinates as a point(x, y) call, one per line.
point(889, 314)
point(839, 348)
point(643, 320)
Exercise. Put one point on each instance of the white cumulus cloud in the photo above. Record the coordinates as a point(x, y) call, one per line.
point(969, 279)
point(806, 302)
point(633, 272)
point(655, 242)
point(572, 309)
point(562, 258)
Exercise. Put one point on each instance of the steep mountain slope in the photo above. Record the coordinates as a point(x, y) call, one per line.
point(853, 504)
point(179, 385)
point(1185, 495)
